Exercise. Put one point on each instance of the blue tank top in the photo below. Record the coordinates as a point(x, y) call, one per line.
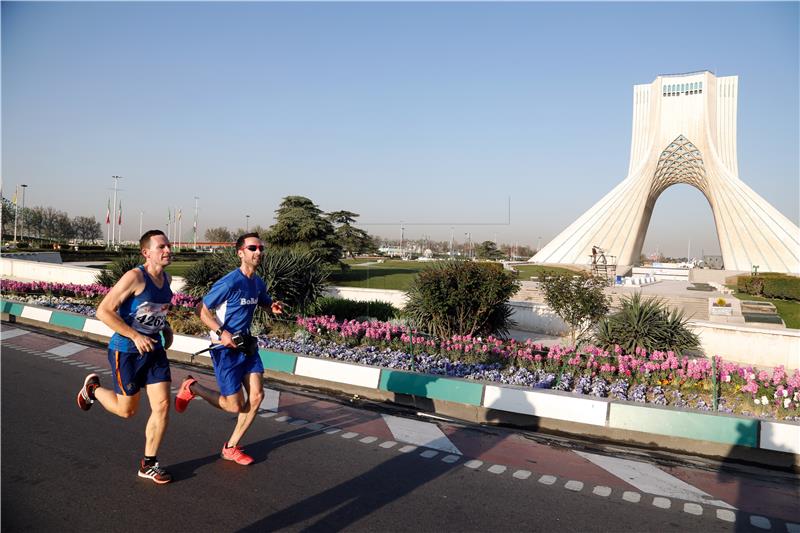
point(145, 312)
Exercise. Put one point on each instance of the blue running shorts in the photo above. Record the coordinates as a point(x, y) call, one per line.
point(231, 367)
point(132, 370)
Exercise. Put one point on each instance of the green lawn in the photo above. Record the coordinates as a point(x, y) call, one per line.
point(179, 268)
point(526, 271)
point(391, 274)
point(789, 310)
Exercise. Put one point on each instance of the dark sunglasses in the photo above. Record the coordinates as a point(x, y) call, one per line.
point(253, 247)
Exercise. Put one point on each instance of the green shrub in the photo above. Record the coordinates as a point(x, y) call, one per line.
point(344, 309)
point(770, 285)
point(117, 268)
point(461, 298)
point(577, 298)
point(646, 323)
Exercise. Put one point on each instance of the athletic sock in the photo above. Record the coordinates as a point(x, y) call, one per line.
point(150, 460)
point(91, 388)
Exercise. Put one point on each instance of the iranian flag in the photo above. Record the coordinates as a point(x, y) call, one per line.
point(108, 212)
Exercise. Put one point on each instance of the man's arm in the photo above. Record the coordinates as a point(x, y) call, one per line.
point(210, 320)
point(127, 286)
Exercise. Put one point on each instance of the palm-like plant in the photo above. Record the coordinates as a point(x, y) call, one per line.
point(646, 323)
point(109, 276)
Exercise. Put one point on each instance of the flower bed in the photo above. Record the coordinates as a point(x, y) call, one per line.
point(661, 378)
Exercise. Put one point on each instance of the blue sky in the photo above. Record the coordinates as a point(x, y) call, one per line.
point(402, 112)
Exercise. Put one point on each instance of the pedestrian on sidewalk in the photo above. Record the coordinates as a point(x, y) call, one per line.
point(227, 310)
point(136, 309)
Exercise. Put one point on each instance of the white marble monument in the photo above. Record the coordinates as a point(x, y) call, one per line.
point(684, 131)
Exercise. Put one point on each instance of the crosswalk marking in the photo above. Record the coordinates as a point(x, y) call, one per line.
point(271, 400)
point(651, 479)
point(419, 433)
point(65, 350)
point(6, 334)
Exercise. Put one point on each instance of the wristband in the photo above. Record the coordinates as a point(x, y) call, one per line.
point(219, 332)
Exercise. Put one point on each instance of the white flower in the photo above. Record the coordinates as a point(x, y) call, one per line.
point(727, 378)
point(785, 393)
point(751, 377)
point(757, 401)
point(786, 403)
point(764, 400)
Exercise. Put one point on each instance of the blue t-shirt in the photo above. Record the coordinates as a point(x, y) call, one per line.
point(145, 312)
point(234, 298)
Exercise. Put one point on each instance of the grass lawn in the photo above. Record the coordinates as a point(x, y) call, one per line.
point(789, 310)
point(396, 275)
point(526, 271)
point(179, 268)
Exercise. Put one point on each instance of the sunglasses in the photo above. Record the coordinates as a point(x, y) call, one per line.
point(254, 247)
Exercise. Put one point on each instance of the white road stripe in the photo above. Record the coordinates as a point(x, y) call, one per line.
point(419, 433)
point(271, 400)
point(652, 480)
point(65, 350)
point(6, 334)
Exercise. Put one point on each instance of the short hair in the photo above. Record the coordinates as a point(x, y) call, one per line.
point(242, 238)
point(144, 241)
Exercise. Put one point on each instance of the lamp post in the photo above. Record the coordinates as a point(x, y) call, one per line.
point(16, 212)
point(196, 198)
point(246, 223)
point(22, 225)
point(114, 217)
point(140, 222)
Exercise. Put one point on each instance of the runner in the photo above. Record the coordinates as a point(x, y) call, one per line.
point(136, 309)
point(234, 298)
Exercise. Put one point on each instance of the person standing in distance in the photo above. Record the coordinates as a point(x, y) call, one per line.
point(136, 309)
point(228, 309)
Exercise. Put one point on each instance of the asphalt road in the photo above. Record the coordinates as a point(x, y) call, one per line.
point(68, 470)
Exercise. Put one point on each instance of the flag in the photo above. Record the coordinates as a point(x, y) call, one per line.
point(169, 216)
point(119, 219)
point(180, 214)
point(15, 195)
point(108, 212)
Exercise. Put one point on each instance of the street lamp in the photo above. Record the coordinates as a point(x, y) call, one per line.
point(246, 223)
point(22, 225)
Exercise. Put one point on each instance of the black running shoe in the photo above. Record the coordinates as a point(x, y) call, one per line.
point(86, 394)
point(155, 473)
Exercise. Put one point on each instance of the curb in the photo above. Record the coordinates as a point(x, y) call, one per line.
point(713, 435)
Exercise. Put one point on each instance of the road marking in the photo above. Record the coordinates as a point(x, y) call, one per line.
point(473, 464)
point(630, 496)
point(600, 490)
point(65, 350)
point(349, 435)
point(419, 433)
point(760, 522)
point(267, 415)
point(283, 418)
point(573, 485)
point(662, 503)
point(368, 440)
point(315, 426)
point(522, 474)
point(6, 334)
point(407, 448)
point(497, 469)
point(388, 444)
point(331, 430)
point(726, 515)
point(451, 458)
point(298, 422)
point(271, 400)
point(652, 480)
point(428, 454)
point(692, 508)
point(792, 528)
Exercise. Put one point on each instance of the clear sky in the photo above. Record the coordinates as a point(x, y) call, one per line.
point(413, 112)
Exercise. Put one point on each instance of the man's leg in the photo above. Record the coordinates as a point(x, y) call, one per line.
point(158, 394)
point(255, 393)
point(122, 406)
point(234, 403)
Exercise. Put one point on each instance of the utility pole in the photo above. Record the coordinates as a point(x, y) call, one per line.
point(196, 198)
point(114, 217)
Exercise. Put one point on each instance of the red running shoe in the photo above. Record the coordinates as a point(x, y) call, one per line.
point(154, 472)
point(185, 394)
point(235, 453)
point(86, 394)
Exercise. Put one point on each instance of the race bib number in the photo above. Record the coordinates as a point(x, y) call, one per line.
point(150, 317)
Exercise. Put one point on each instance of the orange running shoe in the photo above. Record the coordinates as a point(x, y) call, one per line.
point(86, 394)
point(235, 453)
point(185, 394)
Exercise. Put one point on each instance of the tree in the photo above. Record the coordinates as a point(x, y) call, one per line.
point(578, 299)
point(86, 228)
point(8, 216)
point(220, 234)
point(300, 225)
point(488, 250)
point(352, 240)
point(462, 298)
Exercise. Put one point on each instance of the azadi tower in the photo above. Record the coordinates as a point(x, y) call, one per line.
point(684, 131)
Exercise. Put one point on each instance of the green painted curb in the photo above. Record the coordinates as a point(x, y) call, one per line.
point(68, 320)
point(697, 426)
point(452, 390)
point(280, 362)
point(12, 308)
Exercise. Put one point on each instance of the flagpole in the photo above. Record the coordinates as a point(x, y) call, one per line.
point(16, 212)
point(140, 222)
point(114, 218)
point(180, 230)
point(119, 223)
point(196, 198)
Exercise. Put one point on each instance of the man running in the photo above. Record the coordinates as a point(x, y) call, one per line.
point(233, 298)
point(136, 309)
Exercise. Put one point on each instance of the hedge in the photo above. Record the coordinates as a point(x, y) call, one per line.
point(770, 285)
